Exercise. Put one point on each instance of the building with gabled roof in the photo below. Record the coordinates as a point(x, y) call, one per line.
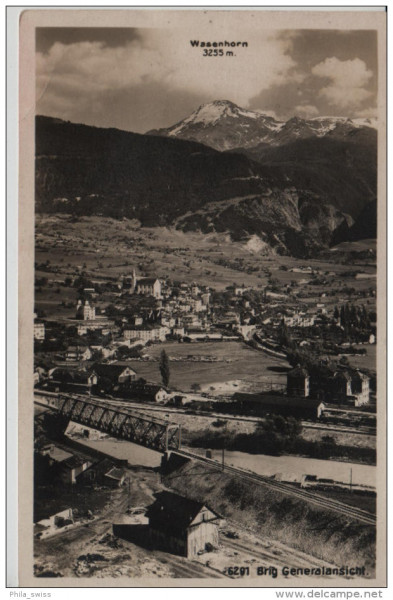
point(85, 310)
point(149, 286)
point(77, 353)
point(360, 388)
point(72, 467)
point(298, 382)
point(342, 383)
point(107, 471)
point(114, 372)
point(145, 391)
point(181, 525)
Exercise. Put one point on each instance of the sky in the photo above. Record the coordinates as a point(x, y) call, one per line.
point(142, 79)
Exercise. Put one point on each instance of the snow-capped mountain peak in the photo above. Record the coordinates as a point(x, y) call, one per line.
point(223, 125)
point(210, 113)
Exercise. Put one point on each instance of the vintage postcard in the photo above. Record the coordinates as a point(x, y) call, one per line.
point(202, 298)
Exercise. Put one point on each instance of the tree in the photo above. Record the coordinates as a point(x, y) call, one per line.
point(284, 426)
point(328, 440)
point(164, 368)
point(284, 337)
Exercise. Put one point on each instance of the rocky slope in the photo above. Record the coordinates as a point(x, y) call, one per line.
point(365, 227)
point(341, 170)
point(333, 158)
point(165, 181)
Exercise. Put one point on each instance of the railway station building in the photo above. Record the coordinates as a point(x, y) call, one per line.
point(181, 525)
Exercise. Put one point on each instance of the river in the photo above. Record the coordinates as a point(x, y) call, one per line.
point(291, 467)
point(296, 466)
point(134, 454)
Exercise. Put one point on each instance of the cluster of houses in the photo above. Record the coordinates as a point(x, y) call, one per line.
point(184, 309)
point(306, 397)
point(115, 378)
point(185, 312)
point(72, 468)
point(173, 523)
point(340, 387)
point(182, 312)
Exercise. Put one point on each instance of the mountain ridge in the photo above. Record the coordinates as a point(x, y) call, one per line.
point(224, 125)
point(160, 181)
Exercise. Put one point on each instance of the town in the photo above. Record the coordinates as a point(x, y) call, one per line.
point(282, 368)
point(107, 326)
point(115, 323)
point(202, 352)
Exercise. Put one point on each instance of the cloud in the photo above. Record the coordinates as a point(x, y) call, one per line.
point(348, 80)
point(306, 111)
point(368, 113)
point(80, 74)
point(268, 113)
point(154, 77)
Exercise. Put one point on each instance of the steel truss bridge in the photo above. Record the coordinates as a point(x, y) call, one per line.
point(118, 422)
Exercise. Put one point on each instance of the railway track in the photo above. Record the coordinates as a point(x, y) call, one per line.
point(185, 569)
point(327, 503)
point(370, 431)
point(267, 558)
point(148, 408)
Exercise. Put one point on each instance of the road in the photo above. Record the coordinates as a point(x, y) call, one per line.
point(64, 550)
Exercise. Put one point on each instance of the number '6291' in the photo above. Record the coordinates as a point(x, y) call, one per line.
point(238, 571)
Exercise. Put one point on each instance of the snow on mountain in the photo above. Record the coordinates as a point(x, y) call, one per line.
point(323, 125)
point(211, 113)
point(327, 124)
point(365, 122)
point(224, 126)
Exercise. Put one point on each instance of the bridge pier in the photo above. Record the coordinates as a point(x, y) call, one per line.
point(171, 461)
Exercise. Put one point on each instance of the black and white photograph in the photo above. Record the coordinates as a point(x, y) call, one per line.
point(207, 385)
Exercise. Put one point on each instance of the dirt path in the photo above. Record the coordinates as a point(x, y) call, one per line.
point(92, 550)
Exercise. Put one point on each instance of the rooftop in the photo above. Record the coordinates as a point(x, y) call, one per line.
point(176, 512)
point(58, 454)
point(279, 401)
point(110, 370)
point(147, 281)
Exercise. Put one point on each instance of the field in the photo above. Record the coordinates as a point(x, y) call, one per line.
point(235, 362)
point(366, 361)
point(108, 247)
